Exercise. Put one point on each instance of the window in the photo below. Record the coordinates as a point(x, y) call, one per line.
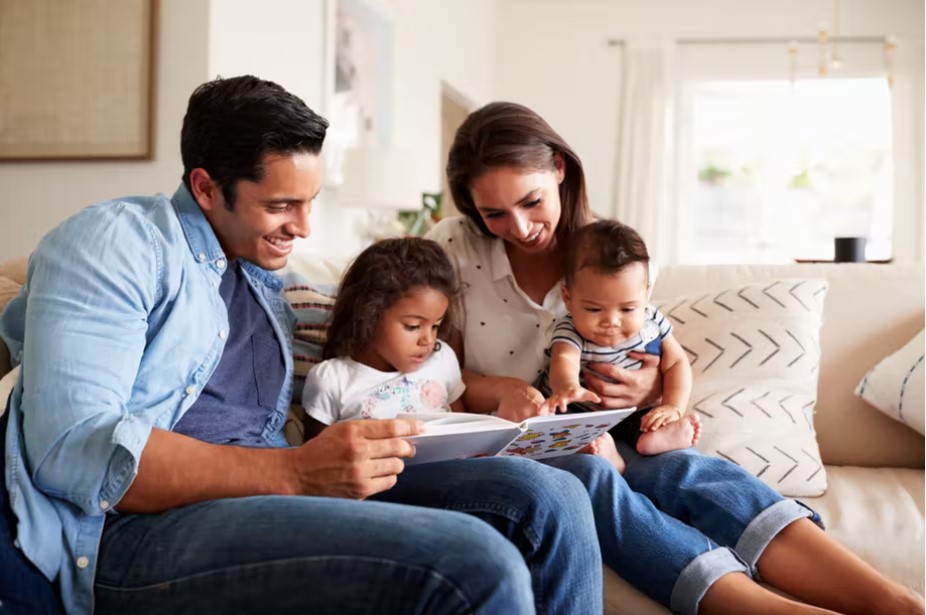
point(774, 171)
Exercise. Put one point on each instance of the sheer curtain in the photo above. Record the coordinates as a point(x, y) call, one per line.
point(643, 168)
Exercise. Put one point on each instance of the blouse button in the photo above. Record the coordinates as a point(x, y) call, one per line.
point(82, 562)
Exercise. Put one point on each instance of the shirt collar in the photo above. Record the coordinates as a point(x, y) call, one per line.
point(205, 245)
point(199, 234)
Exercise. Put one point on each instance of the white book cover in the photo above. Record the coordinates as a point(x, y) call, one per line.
point(460, 435)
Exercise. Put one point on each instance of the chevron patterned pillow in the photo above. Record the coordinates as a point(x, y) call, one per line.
point(755, 357)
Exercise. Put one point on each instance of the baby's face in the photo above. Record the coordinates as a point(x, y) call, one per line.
point(608, 309)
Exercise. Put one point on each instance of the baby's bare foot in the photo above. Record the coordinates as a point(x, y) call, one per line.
point(677, 435)
point(604, 446)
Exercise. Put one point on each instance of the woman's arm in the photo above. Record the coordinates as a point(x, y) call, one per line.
point(510, 398)
point(639, 387)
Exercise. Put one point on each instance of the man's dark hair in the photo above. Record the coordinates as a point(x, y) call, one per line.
point(384, 273)
point(607, 247)
point(231, 124)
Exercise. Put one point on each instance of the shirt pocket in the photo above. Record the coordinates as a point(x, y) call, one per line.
point(269, 369)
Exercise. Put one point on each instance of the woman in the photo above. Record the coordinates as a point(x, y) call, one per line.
point(690, 531)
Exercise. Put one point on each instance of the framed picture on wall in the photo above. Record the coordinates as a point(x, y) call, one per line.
point(77, 79)
point(360, 78)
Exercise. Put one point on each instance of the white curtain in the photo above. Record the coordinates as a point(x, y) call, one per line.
point(643, 152)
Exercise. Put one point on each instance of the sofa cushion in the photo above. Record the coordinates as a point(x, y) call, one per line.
point(876, 512)
point(14, 269)
point(895, 385)
point(871, 310)
point(755, 355)
point(8, 290)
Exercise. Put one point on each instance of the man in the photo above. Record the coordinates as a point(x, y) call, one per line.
point(144, 455)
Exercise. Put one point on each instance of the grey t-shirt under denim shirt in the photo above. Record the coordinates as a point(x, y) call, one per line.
point(243, 390)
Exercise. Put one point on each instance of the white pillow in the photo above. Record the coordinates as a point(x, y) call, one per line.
point(755, 357)
point(895, 385)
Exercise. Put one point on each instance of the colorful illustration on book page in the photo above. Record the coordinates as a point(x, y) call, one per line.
point(558, 440)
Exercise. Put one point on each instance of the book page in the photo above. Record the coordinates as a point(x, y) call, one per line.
point(441, 423)
point(562, 434)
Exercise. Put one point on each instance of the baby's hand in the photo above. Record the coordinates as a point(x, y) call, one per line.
point(659, 416)
point(562, 399)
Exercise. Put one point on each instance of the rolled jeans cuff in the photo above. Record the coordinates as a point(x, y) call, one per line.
point(698, 576)
point(767, 525)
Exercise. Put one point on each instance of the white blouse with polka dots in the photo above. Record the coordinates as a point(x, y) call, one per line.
point(504, 332)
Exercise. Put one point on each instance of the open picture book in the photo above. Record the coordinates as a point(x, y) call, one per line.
point(458, 435)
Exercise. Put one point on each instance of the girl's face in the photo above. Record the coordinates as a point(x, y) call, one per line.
point(407, 332)
point(521, 206)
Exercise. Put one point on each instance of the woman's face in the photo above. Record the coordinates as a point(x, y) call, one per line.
point(522, 206)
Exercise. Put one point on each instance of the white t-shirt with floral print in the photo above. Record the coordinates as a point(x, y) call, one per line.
point(343, 389)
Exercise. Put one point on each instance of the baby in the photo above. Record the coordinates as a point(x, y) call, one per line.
point(606, 293)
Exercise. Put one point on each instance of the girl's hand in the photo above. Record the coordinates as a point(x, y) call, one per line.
point(520, 401)
point(659, 416)
point(636, 387)
point(560, 400)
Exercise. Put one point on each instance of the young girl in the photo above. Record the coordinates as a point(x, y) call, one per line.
point(383, 354)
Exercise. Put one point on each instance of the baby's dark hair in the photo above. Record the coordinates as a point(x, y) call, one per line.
point(382, 274)
point(607, 247)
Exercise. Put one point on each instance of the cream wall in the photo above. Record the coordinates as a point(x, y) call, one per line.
point(549, 54)
point(37, 196)
point(557, 62)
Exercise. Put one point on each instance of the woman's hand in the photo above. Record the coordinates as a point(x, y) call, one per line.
point(519, 401)
point(638, 387)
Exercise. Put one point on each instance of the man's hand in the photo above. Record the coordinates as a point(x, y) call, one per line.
point(659, 416)
point(520, 401)
point(560, 400)
point(354, 459)
point(630, 387)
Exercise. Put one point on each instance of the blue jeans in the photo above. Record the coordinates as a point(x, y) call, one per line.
point(277, 554)
point(675, 523)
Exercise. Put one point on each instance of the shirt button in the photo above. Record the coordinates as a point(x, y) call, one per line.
point(220, 263)
point(190, 390)
point(104, 505)
point(201, 257)
point(223, 334)
point(82, 562)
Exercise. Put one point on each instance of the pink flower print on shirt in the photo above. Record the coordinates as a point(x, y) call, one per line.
point(433, 395)
point(368, 407)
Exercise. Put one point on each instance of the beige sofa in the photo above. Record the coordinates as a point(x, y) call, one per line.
point(874, 503)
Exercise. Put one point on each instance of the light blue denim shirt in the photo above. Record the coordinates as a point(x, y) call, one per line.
point(118, 327)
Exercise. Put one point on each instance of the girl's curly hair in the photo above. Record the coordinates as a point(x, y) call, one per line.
point(382, 274)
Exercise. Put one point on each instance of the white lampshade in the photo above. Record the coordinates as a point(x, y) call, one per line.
point(380, 177)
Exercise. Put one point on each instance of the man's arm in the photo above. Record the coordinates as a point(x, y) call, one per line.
point(354, 459)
